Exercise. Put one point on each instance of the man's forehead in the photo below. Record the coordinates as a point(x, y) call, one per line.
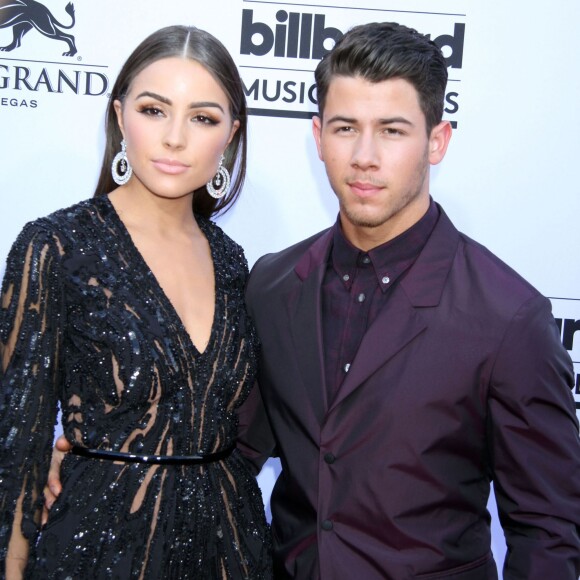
point(356, 97)
point(343, 83)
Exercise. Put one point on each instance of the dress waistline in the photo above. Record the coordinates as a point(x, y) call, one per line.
point(155, 459)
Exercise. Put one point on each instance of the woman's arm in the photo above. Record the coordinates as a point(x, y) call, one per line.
point(31, 320)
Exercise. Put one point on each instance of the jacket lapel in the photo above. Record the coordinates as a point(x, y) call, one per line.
point(397, 325)
point(304, 314)
point(404, 317)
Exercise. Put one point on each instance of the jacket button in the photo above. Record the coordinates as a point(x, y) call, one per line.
point(329, 458)
point(327, 525)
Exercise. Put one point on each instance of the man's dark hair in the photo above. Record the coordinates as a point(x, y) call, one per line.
point(379, 51)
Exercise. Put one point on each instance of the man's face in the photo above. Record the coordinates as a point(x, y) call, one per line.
point(373, 142)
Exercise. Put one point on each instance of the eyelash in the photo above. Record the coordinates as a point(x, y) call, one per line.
point(205, 120)
point(153, 111)
point(150, 111)
point(387, 130)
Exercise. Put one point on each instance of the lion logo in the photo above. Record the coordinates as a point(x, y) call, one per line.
point(24, 15)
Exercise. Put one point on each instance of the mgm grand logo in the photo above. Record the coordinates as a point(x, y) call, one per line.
point(33, 76)
point(24, 15)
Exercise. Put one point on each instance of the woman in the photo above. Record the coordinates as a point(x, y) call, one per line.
point(128, 310)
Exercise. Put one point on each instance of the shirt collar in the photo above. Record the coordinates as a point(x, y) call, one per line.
point(390, 259)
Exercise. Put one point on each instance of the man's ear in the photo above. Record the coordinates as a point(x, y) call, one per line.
point(438, 142)
point(317, 131)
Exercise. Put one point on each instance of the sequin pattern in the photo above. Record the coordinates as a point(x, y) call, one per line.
point(84, 324)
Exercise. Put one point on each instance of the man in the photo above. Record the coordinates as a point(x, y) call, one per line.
point(404, 367)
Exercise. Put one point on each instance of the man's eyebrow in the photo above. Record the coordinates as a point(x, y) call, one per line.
point(382, 121)
point(194, 105)
point(392, 120)
point(342, 119)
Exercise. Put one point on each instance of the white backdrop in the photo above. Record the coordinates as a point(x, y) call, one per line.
point(509, 179)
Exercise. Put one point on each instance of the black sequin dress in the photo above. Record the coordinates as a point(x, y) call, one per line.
point(85, 324)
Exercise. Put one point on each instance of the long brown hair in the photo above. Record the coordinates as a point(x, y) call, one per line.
point(201, 46)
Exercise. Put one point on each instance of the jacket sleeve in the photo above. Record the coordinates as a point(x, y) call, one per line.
point(30, 336)
point(535, 448)
point(255, 438)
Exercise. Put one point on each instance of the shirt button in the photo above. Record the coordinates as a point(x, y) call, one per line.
point(386, 280)
point(346, 367)
point(329, 458)
point(346, 277)
point(366, 260)
point(327, 525)
point(361, 297)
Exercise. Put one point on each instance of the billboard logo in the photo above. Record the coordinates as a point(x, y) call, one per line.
point(292, 40)
point(568, 328)
point(568, 323)
point(24, 15)
point(305, 36)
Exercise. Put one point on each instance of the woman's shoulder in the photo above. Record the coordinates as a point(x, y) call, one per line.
point(70, 222)
point(60, 232)
point(217, 237)
point(224, 249)
point(42, 237)
point(74, 215)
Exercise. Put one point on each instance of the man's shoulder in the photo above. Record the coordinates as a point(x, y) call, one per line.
point(489, 280)
point(472, 261)
point(466, 272)
point(285, 260)
point(275, 273)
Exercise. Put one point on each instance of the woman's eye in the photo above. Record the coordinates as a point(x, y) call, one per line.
point(204, 119)
point(152, 111)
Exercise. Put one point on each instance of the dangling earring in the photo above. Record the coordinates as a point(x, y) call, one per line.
point(220, 184)
point(121, 163)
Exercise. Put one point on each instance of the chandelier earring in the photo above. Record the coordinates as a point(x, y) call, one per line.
point(121, 170)
point(220, 184)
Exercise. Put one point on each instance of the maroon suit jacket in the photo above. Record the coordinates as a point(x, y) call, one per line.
point(461, 380)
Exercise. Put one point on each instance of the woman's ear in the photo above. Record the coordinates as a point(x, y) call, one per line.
point(235, 127)
point(119, 112)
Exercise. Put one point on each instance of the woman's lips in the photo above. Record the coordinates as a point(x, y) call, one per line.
point(170, 166)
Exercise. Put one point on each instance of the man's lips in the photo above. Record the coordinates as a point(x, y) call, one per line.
point(170, 166)
point(364, 189)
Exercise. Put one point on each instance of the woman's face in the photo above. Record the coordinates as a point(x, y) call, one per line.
point(176, 122)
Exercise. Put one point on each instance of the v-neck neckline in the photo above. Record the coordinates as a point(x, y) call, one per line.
point(134, 250)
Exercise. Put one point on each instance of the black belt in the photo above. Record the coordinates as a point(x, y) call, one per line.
point(159, 459)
